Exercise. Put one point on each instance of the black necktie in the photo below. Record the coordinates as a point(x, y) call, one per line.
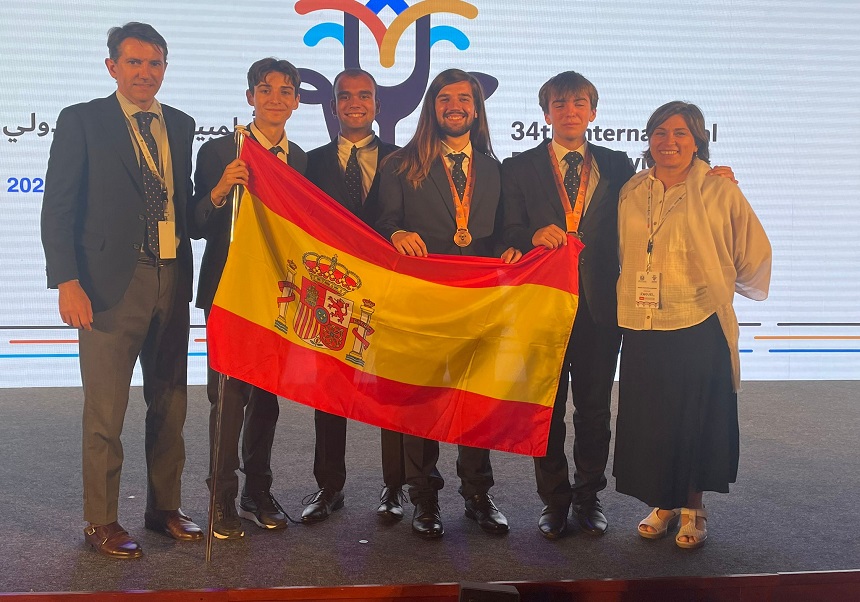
point(276, 150)
point(571, 178)
point(352, 178)
point(153, 193)
point(457, 173)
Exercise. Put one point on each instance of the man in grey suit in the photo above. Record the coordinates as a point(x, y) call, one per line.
point(347, 169)
point(273, 91)
point(117, 248)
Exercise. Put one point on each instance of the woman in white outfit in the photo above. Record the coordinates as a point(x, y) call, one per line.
point(687, 244)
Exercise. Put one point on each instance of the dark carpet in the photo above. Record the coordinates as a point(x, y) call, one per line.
point(793, 508)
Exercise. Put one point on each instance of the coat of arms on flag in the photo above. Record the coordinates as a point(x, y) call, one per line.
point(323, 314)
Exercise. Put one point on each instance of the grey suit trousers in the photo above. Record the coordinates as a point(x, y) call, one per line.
point(151, 324)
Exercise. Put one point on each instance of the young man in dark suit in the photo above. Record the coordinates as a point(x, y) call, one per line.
point(347, 170)
point(539, 187)
point(567, 184)
point(273, 91)
point(440, 194)
point(116, 244)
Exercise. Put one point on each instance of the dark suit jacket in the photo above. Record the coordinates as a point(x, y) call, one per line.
point(429, 209)
point(530, 201)
point(93, 215)
point(213, 223)
point(325, 172)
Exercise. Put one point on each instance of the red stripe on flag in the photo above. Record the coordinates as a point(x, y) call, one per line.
point(247, 351)
point(288, 194)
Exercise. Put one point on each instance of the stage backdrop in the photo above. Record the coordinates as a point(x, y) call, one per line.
point(777, 81)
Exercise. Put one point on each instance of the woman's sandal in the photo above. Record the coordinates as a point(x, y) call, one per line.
point(690, 530)
point(659, 525)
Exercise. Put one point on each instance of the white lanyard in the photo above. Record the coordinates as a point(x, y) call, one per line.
point(652, 229)
point(147, 156)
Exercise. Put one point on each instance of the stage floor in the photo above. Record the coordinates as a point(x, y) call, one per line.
point(791, 510)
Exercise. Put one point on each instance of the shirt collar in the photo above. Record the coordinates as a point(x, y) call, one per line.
point(266, 143)
point(560, 151)
point(130, 109)
point(467, 150)
point(361, 144)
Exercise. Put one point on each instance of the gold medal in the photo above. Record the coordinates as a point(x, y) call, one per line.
point(462, 238)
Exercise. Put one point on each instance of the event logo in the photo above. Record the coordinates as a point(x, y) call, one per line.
point(323, 313)
point(400, 100)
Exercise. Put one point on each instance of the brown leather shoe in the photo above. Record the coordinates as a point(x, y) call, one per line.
point(112, 540)
point(174, 523)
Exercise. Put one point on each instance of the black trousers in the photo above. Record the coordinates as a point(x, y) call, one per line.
point(330, 453)
point(589, 371)
point(252, 413)
point(424, 479)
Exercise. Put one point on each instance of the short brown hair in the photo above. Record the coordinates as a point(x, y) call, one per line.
point(566, 82)
point(262, 68)
point(139, 31)
point(354, 72)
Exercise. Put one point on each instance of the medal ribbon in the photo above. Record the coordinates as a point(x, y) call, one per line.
point(461, 206)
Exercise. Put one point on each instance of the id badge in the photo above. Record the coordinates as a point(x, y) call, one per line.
point(167, 239)
point(648, 290)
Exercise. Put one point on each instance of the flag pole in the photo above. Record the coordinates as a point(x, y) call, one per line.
point(240, 133)
point(216, 448)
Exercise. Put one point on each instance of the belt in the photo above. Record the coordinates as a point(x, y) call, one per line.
point(152, 261)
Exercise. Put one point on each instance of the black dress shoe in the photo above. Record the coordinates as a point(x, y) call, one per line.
point(589, 515)
point(112, 540)
point(481, 508)
point(321, 504)
point(553, 521)
point(427, 519)
point(391, 503)
point(173, 523)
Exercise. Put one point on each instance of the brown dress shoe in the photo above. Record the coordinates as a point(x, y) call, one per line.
point(174, 523)
point(112, 540)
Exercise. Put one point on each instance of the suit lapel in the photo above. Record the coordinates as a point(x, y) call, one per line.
point(332, 166)
point(440, 180)
point(546, 177)
point(116, 134)
point(597, 199)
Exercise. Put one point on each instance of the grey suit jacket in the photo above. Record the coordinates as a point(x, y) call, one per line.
point(93, 214)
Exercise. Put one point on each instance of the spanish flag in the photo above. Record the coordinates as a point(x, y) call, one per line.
point(316, 307)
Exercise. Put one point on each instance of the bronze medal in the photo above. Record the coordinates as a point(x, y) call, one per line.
point(462, 238)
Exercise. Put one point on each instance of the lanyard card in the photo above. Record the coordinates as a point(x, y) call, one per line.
point(167, 239)
point(648, 290)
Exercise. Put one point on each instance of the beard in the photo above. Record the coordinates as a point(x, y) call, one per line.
point(455, 131)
